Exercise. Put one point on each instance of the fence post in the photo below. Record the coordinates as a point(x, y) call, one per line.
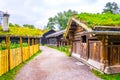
point(8, 48)
point(21, 48)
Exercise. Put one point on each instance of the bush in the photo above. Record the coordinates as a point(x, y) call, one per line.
point(12, 45)
point(3, 45)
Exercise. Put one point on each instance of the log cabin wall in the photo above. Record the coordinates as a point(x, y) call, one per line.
point(114, 50)
point(80, 44)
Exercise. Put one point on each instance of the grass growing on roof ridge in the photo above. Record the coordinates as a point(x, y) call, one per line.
point(10, 75)
point(106, 19)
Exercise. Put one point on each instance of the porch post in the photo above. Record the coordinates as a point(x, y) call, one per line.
point(104, 53)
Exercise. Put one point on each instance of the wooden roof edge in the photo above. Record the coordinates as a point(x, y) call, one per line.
point(103, 32)
point(56, 34)
point(68, 27)
point(82, 24)
point(106, 26)
point(78, 22)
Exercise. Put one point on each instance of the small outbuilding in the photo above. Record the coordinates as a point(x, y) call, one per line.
point(43, 39)
point(95, 43)
point(56, 39)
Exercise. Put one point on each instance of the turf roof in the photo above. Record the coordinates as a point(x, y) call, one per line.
point(106, 19)
point(20, 31)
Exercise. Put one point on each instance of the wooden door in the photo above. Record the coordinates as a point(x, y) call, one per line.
point(94, 50)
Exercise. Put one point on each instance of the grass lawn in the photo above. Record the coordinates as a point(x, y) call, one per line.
point(106, 76)
point(64, 49)
point(10, 75)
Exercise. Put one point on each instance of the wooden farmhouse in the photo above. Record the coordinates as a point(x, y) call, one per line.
point(97, 46)
point(56, 39)
point(43, 39)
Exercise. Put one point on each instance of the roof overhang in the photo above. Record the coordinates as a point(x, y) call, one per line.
point(56, 34)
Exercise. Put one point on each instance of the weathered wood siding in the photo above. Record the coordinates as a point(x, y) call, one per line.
point(114, 53)
point(94, 50)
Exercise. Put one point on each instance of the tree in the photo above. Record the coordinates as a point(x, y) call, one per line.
point(28, 25)
point(11, 25)
point(51, 23)
point(17, 25)
point(60, 20)
point(111, 7)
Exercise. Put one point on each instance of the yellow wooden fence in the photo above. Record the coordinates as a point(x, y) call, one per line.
point(16, 56)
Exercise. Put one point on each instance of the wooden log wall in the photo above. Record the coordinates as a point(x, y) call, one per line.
point(10, 58)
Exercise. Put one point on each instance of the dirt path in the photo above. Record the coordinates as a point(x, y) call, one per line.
point(54, 65)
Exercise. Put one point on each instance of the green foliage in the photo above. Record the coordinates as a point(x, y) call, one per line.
point(24, 44)
point(11, 25)
point(60, 20)
point(14, 45)
point(106, 19)
point(64, 49)
point(111, 7)
point(3, 45)
point(29, 26)
point(51, 23)
point(10, 75)
point(107, 76)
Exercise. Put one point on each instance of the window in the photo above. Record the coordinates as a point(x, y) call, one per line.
point(84, 39)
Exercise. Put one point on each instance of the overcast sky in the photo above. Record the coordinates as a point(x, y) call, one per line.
point(37, 12)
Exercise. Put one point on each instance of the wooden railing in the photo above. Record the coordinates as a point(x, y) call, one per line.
point(16, 56)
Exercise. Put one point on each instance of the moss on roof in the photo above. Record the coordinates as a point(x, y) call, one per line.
point(22, 31)
point(106, 19)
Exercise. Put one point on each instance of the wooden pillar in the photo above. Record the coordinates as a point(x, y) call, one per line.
point(71, 46)
point(38, 42)
point(8, 48)
point(87, 48)
point(104, 53)
point(33, 44)
point(32, 41)
point(29, 46)
point(21, 48)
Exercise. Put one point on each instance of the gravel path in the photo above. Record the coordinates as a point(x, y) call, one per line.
point(54, 65)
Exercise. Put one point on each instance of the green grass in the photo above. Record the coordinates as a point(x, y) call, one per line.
point(106, 19)
point(22, 31)
point(64, 49)
point(10, 75)
point(106, 76)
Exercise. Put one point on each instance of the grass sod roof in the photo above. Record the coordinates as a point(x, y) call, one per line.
point(99, 19)
point(89, 20)
point(20, 31)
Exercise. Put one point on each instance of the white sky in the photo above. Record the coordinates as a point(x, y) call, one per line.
point(37, 12)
